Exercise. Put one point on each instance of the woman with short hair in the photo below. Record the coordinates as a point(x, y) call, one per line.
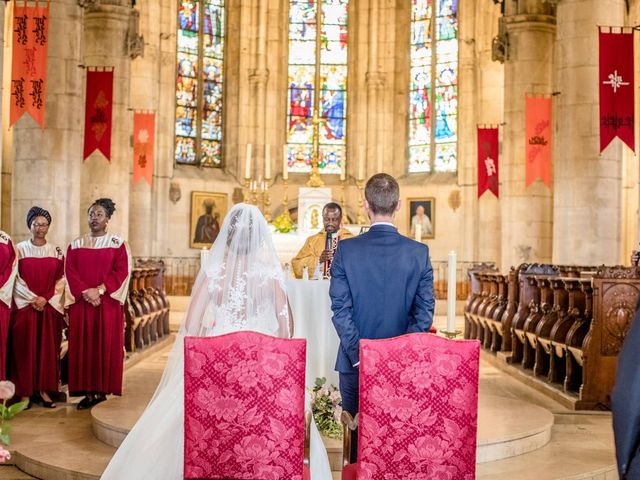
point(97, 268)
point(36, 324)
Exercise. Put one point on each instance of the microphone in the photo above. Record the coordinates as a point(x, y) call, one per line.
point(328, 241)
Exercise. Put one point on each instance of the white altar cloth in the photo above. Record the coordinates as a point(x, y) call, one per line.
point(311, 308)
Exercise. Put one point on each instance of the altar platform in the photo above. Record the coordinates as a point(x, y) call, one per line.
point(522, 434)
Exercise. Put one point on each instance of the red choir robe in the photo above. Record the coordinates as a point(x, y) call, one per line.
point(96, 334)
point(8, 270)
point(35, 337)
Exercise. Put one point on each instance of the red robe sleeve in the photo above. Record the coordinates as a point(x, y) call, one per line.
point(8, 271)
point(74, 281)
point(116, 281)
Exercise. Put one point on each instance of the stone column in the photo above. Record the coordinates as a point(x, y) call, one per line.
point(144, 47)
point(46, 163)
point(529, 28)
point(106, 43)
point(587, 203)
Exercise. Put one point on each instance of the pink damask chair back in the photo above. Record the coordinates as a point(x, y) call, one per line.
point(244, 407)
point(418, 408)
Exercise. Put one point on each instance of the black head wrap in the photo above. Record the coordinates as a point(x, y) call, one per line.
point(37, 212)
point(107, 204)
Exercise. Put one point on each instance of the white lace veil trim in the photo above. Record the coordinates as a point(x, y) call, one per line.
point(240, 287)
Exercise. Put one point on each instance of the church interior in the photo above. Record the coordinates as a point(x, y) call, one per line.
point(210, 103)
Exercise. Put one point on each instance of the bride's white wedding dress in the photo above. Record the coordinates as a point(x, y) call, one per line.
point(241, 287)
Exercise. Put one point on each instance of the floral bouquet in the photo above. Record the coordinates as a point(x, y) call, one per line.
point(283, 223)
point(326, 405)
point(7, 391)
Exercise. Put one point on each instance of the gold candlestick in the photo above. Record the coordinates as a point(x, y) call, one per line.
point(360, 220)
point(285, 201)
point(254, 193)
point(266, 202)
point(247, 190)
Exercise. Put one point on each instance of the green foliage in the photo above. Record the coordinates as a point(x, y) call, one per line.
point(326, 406)
point(283, 223)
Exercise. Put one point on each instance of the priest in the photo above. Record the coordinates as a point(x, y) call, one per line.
point(317, 252)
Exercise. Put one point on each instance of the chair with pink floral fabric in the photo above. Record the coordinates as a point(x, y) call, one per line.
point(418, 409)
point(244, 407)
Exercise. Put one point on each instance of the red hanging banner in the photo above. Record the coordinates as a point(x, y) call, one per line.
point(143, 141)
point(29, 62)
point(538, 145)
point(97, 118)
point(616, 88)
point(488, 148)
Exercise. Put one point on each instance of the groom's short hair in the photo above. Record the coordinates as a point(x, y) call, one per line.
point(382, 193)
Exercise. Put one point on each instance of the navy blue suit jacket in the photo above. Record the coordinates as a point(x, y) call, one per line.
point(381, 287)
point(625, 400)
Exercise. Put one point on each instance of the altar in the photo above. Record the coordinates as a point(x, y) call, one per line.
point(311, 308)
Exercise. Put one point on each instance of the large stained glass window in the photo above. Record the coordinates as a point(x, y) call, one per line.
point(317, 60)
point(198, 138)
point(434, 55)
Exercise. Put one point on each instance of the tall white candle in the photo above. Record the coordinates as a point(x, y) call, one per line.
point(361, 164)
point(418, 232)
point(380, 159)
point(247, 162)
point(267, 162)
point(285, 163)
point(451, 293)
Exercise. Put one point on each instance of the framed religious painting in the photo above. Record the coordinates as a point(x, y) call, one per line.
point(207, 213)
point(422, 217)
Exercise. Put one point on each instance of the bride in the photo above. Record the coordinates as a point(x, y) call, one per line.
point(239, 287)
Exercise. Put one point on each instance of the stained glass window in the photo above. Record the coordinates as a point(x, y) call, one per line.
point(434, 54)
point(198, 137)
point(308, 69)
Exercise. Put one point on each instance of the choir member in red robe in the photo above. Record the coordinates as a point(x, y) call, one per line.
point(8, 270)
point(97, 270)
point(35, 332)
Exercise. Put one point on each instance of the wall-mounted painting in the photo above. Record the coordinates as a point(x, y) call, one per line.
point(207, 213)
point(422, 211)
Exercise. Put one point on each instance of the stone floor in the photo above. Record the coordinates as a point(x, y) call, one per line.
point(61, 444)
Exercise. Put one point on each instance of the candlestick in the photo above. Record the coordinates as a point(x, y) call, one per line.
point(360, 218)
point(254, 192)
point(267, 162)
point(285, 201)
point(266, 201)
point(451, 297)
point(285, 164)
point(247, 162)
point(247, 190)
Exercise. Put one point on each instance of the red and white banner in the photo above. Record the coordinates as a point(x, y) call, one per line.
point(488, 172)
point(144, 125)
point(616, 88)
point(98, 112)
point(538, 145)
point(29, 62)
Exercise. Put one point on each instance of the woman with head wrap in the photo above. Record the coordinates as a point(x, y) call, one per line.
point(8, 270)
point(97, 270)
point(36, 325)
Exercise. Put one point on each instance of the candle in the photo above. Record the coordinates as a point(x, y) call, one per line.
point(285, 163)
point(380, 152)
point(451, 293)
point(418, 232)
point(361, 164)
point(247, 162)
point(267, 162)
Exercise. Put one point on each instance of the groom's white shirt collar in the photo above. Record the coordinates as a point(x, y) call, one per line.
point(383, 223)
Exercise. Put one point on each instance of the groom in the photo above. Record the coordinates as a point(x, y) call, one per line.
point(381, 286)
